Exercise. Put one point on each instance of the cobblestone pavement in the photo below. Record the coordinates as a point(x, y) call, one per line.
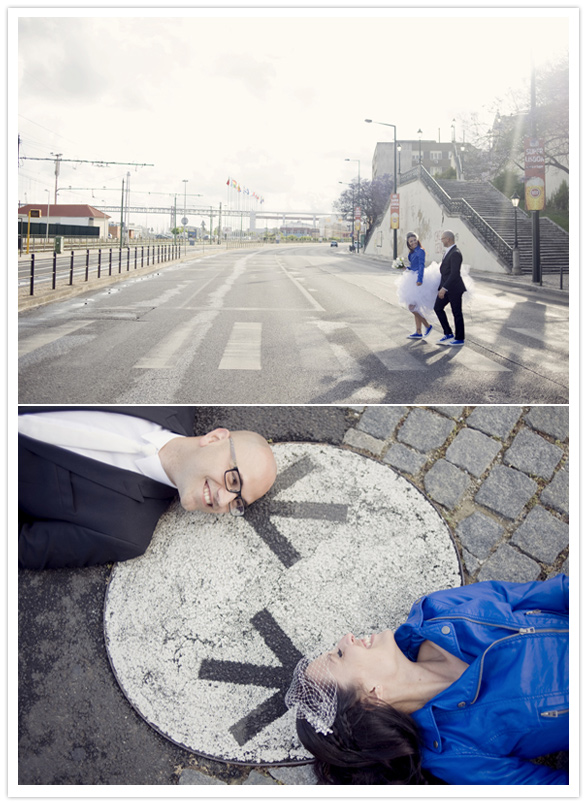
point(499, 476)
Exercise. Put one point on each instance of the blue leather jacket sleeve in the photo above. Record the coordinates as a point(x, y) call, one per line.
point(417, 258)
point(476, 769)
point(551, 595)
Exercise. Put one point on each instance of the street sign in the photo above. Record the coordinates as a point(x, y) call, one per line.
point(204, 630)
point(184, 220)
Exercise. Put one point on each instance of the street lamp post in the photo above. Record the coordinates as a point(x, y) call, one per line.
point(48, 211)
point(395, 149)
point(185, 185)
point(419, 146)
point(516, 251)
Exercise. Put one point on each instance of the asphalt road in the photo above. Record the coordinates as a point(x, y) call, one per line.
point(295, 324)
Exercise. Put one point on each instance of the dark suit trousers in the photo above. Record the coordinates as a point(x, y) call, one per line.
point(455, 300)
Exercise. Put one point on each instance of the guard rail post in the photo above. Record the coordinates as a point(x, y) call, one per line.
point(135, 258)
point(71, 268)
point(119, 259)
point(128, 258)
point(32, 274)
point(87, 264)
point(110, 263)
point(54, 270)
point(99, 262)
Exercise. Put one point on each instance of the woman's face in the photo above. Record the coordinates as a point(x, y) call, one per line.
point(359, 662)
point(412, 243)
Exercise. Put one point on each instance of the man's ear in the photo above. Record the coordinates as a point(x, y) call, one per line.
point(216, 435)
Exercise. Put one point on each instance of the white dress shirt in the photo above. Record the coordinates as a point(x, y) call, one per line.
point(136, 450)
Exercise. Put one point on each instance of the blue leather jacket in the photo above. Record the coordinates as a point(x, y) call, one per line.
point(512, 702)
point(417, 258)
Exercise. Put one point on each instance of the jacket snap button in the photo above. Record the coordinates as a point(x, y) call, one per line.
point(436, 744)
point(445, 629)
point(462, 704)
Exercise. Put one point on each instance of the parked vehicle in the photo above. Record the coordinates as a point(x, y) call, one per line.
point(334, 243)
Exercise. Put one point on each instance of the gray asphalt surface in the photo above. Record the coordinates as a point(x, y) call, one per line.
point(498, 475)
point(288, 325)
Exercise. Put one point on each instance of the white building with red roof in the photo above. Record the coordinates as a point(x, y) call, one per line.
point(69, 214)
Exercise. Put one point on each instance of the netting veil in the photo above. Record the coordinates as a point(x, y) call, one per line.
point(313, 693)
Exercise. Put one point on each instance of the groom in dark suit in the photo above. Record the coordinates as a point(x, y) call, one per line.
point(450, 291)
point(94, 480)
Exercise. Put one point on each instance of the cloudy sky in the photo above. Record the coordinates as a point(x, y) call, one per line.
point(273, 98)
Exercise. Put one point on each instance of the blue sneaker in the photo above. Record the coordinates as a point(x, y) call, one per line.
point(455, 343)
point(427, 332)
point(445, 339)
point(415, 335)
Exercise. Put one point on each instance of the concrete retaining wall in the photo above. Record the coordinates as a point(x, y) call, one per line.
point(420, 212)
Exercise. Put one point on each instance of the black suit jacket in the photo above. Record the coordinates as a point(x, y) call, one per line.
point(450, 273)
point(74, 511)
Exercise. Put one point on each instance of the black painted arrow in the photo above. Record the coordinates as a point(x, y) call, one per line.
point(259, 514)
point(266, 676)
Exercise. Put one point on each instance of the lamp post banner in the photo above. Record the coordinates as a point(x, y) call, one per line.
point(534, 173)
point(394, 211)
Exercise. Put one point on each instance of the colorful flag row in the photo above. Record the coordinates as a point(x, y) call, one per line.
point(233, 183)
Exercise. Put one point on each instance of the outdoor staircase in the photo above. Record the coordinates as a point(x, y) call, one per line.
point(497, 212)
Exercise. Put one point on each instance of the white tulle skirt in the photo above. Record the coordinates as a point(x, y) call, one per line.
point(421, 298)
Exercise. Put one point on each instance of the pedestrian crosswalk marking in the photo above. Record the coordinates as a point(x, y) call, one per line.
point(243, 350)
point(394, 356)
point(44, 337)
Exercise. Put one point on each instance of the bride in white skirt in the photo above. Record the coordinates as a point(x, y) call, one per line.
point(417, 288)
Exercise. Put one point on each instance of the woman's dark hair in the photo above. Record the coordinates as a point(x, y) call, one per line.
point(371, 743)
point(412, 235)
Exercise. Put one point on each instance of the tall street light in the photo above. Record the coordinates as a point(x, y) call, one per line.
point(48, 211)
point(419, 146)
point(184, 220)
point(368, 120)
point(516, 253)
point(358, 161)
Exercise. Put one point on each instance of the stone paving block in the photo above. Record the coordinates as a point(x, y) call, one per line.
point(472, 564)
point(381, 420)
point(362, 441)
point(550, 419)
point(507, 564)
point(405, 459)
point(495, 420)
point(556, 494)
point(530, 453)
point(541, 535)
point(473, 451)
point(446, 484)
point(479, 534)
point(565, 567)
point(195, 777)
point(257, 778)
point(454, 411)
point(425, 430)
point(506, 491)
point(295, 775)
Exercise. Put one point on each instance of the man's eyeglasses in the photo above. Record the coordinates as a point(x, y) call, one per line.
point(233, 483)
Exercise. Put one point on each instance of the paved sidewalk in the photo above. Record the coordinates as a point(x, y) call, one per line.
point(497, 474)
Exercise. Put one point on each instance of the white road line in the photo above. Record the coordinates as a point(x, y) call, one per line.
point(32, 342)
point(316, 305)
point(542, 337)
point(243, 350)
point(395, 356)
point(474, 361)
point(162, 355)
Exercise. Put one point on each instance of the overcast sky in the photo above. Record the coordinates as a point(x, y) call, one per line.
point(275, 99)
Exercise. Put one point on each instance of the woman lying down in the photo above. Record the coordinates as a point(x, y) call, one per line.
point(471, 688)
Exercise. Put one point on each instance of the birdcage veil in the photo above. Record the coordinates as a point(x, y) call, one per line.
point(313, 693)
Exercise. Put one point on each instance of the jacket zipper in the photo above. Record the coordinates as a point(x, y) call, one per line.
point(517, 630)
point(554, 713)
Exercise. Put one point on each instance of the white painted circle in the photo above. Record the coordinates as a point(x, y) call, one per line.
point(341, 543)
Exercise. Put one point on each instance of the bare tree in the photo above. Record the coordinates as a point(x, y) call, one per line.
point(371, 197)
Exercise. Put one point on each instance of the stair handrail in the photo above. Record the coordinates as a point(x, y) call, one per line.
point(460, 207)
